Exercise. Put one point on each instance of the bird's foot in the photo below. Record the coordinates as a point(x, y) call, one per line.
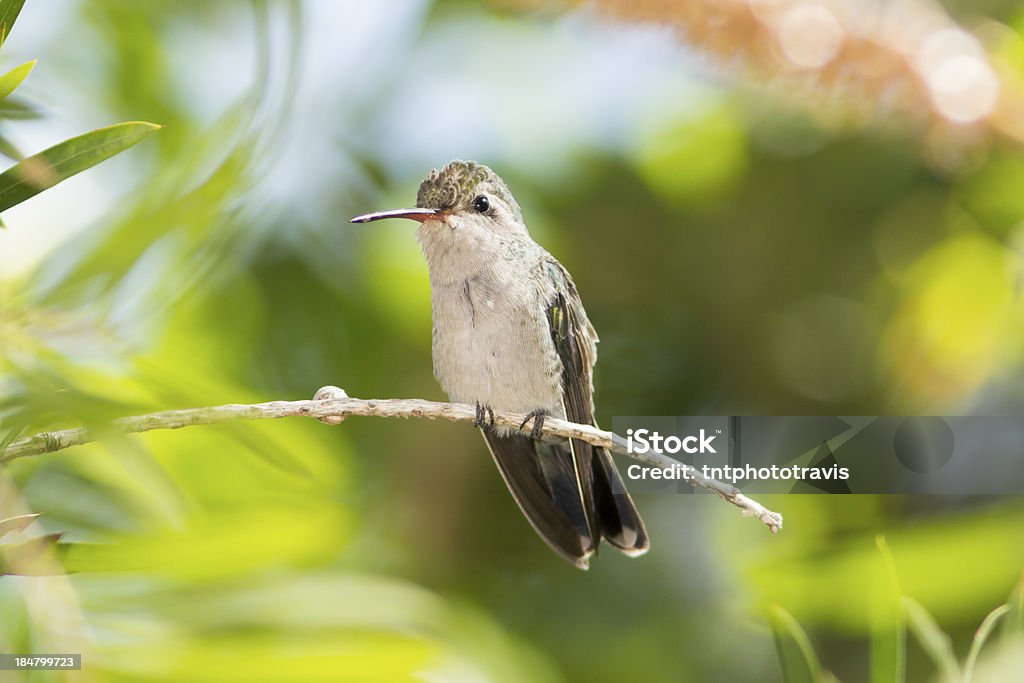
point(538, 417)
point(484, 417)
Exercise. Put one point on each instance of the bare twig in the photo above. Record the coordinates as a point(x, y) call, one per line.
point(333, 410)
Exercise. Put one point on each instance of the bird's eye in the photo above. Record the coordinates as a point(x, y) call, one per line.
point(481, 204)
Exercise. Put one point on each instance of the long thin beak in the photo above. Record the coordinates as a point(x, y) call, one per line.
point(412, 214)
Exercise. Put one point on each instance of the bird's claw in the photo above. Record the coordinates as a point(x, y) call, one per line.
point(484, 418)
point(538, 417)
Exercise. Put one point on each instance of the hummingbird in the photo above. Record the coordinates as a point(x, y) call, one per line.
point(510, 334)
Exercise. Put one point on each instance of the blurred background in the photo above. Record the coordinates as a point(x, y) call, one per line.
point(774, 208)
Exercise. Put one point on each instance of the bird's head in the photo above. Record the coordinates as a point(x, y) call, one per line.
point(464, 195)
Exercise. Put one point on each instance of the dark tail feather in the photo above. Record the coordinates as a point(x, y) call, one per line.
point(621, 524)
point(544, 481)
point(571, 501)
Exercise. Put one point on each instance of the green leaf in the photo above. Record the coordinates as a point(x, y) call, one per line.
point(42, 171)
point(12, 431)
point(8, 149)
point(936, 643)
point(29, 558)
point(19, 523)
point(1013, 625)
point(799, 663)
point(980, 636)
point(888, 627)
point(10, 81)
point(9, 10)
point(15, 109)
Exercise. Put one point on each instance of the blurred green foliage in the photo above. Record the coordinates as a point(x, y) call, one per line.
point(736, 255)
point(893, 617)
point(42, 171)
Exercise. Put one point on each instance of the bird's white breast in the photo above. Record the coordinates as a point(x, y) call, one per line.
point(491, 341)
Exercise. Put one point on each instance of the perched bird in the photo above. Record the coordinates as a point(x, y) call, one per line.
point(510, 334)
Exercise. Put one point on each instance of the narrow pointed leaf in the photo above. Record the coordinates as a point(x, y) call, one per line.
point(796, 656)
point(9, 10)
point(19, 523)
point(10, 81)
point(888, 626)
point(12, 432)
point(42, 171)
point(28, 558)
point(980, 636)
point(15, 109)
point(1013, 624)
point(8, 149)
point(935, 643)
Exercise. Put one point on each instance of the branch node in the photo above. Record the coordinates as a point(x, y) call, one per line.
point(329, 393)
